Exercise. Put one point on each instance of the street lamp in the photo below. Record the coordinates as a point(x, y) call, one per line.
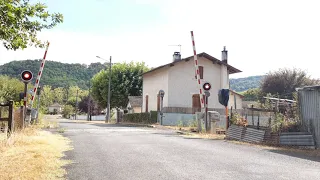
point(109, 87)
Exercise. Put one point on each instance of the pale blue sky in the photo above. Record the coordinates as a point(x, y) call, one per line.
point(260, 35)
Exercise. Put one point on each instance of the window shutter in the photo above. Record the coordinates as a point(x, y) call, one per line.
point(201, 73)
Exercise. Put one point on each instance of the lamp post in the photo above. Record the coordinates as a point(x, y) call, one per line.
point(109, 91)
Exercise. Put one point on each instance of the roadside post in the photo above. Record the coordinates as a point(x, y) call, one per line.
point(26, 77)
point(161, 93)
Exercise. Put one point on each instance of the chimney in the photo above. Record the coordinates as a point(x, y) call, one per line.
point(224, 74)
point(224, 55)
point(176, 56)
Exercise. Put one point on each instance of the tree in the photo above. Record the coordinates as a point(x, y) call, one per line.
point(252, 94)
point(21, 21)
point(10, 88)
point(58, 95)
point(283, 83)
point(125, 81)
point(67, 111)
point(95, 108)
point(46, 97)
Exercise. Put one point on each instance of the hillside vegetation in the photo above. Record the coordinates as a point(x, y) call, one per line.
point(243, 84)
point(55, 74)
point(58, 74)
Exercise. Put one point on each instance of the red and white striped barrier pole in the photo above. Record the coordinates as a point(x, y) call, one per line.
point(197, 70)
point(39, 75)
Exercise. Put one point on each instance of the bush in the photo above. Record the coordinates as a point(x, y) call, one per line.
point(144, 118)
point(154, 116)
point(67, 110)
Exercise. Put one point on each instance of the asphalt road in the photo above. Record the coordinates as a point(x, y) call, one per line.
point(117, 152)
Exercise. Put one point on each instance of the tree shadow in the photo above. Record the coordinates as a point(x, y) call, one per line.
point(303, 154)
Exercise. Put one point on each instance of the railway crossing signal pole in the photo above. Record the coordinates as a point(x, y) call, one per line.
point(206, 87)
point(26, 77)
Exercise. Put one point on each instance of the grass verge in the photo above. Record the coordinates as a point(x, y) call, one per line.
point(33, 154)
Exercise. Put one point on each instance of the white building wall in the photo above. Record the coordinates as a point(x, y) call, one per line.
point(231, 102)
point(152, 83)
point(182, 83)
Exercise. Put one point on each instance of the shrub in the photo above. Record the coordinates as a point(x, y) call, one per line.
point(237, 119)
point(137, 118)
point(154, 116)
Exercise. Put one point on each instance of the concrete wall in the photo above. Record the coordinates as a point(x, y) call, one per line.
point(175, 119)
point(152, 83)
point(137, 110)
point(93, 118)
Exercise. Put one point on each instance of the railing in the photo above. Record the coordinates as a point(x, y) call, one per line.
point(10, 118)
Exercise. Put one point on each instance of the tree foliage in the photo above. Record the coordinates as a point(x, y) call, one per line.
point(20, 21)
point(252, 94)
point(95, 108)
point(283, 82)
point(10, 88)
point(55, 74)
point(125, 81)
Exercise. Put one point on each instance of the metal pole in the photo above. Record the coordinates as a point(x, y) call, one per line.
point(38, 106)
point(109, 92)
point(88, 117)
point(76, 109)
point(161, 113)
point(25, 102)
point(206, 114)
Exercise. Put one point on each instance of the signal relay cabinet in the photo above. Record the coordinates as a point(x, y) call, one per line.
point(213, 117)
point(31, 115)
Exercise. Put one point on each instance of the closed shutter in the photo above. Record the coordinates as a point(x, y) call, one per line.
point(196, 106)
point(158, 102)
point(147, 101)
point(200, 72)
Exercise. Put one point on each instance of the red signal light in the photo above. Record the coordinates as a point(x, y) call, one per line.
point(206, 86)
point(26, 76)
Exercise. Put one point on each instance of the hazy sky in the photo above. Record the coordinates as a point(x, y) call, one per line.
point(259, 35)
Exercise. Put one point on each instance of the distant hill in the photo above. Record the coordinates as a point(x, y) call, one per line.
point(243, 84)
point(55, 73)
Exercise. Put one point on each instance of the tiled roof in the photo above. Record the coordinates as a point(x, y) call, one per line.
point(231, 69)
point(135, 101)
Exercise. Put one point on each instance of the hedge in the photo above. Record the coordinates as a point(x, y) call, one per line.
point(144, 118)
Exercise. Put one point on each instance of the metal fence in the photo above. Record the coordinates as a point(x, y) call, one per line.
point(309, 103)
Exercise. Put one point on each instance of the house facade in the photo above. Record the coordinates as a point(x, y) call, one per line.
point(55, 108)
point(177, 79)
point(134, 104)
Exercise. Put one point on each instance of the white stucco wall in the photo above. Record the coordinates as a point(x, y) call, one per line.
point(231, 101)
point(152, 83)
point(182, 83)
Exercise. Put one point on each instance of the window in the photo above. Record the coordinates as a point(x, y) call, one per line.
point(201, 73)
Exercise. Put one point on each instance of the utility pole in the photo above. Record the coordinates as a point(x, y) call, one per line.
point(89, 103)
point(76, 109)
point(109, 91)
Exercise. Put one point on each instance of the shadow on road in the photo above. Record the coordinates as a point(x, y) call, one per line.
point(302, 155)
